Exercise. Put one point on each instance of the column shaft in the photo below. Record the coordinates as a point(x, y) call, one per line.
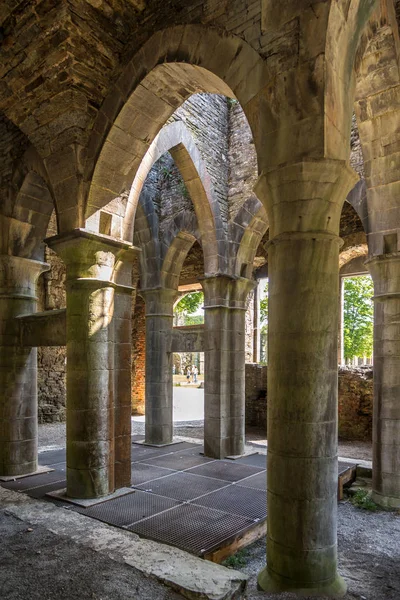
point(159, 379)
point(98, 369)
point(303, 202)
point(224, 368)
point(18, 367)
point(385, 271)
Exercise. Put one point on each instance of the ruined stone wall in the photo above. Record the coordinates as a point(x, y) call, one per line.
point(249, 327)
point(355, 401)
point(206, 117)
point(242, 159)
point(52, 360)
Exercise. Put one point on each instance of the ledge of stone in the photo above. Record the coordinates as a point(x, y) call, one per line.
point(194, 578)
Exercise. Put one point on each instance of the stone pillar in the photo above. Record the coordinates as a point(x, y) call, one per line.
point(341, 323)
point(256, 323)
point(224, 365)
point(385, 272)
point(159, 379)
point(303, 202)
point(95, 367)
point(18, 367)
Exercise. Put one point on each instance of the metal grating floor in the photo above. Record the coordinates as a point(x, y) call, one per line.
point(225, 470)
point(254, 460)
point(34, 481)
point(192, 528)
point(178, 496)
point(128, 509)
point(142, 472)
point(182, 486)
point(257, 481)
point(179, 461)
point(343, 466)
point(51, 457)
point(237, 500)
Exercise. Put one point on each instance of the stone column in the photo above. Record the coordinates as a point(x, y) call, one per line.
point(256, 323)
point(385, 272)
point(224, 365)
point(303, 202)
point(158, 380)
point(18, 367)
point(341, 323)
point(93, 304)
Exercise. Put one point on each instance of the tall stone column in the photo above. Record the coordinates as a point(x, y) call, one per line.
point(93, 305)
point(18, 367)
point(341, 323)
point(385, 272)
point(158, 381)
point(304, 202)
point(224, 365)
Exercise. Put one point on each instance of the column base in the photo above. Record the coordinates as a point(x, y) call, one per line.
point(385, 501)
point(334, 589)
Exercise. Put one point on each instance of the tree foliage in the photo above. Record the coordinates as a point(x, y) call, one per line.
point(187, 306)
point(264, 309)
point(358, 316)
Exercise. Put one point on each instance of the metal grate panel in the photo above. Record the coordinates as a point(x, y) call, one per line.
point(237, 500)
point(141, 472)
point(225, 470)
point(40, 492)
point(182, 486)
point(51, 457)
point(128, 509)
point(343, 466)
point(257, 481)
point(192, 528)
point(255, 460)
point(178, 461)
point(34, 481)
point(139, 452)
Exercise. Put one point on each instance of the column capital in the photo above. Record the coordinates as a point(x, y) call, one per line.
point(18, 276)
point(385, 272)
point(159, 301)
point(306, 196)
point(90, 255)
point(226, 291)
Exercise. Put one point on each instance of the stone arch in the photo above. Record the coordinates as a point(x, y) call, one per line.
point(250, 225)
point(30, 207)
point(174, 259)
point(174, 64)
point(355, 246)
point(377, 97)
point(176, 139)
point(347, 24)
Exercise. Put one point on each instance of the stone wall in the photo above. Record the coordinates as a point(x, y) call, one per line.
point(242, 159)
point(52, 360)
point(138, 356)
point(355, 401)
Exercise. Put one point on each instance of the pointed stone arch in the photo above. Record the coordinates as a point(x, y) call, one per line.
point(174, 64)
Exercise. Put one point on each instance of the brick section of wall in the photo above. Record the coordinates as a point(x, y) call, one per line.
point(355, 401)
point(242, 159)
point(138, 357)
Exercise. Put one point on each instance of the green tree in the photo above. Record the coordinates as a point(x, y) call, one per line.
point(188, 305)
point(264, 309)
point(358, 316)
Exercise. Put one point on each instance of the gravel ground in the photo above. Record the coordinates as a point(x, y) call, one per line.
point(369, 556)
point(38, 565)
